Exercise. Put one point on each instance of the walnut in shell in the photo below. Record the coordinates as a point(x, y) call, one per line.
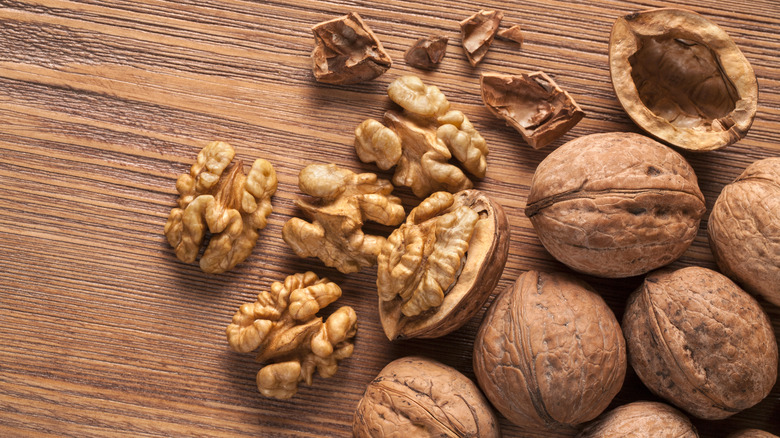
point(682, 79)
point(699, 341)
point(615, 205)
point(478, 32)
point(419, 397)
point(549, 353)
point(744, 229)
point(751, 433)
point(641, 419)
point(437, 269)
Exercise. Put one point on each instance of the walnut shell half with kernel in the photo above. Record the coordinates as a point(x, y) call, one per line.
point(682, 79)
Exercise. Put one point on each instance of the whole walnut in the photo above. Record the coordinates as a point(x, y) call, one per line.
point(615, 205)
point(641, 419)
point(751, 433)
point(744, 229)
point(699, 341)
point(419, 397)
point(549, 353)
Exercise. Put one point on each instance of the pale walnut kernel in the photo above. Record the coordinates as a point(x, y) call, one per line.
point(417, 98)
point(374, 142)
point(465, 143)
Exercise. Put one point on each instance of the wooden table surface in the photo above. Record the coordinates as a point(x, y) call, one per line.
point(103, 103)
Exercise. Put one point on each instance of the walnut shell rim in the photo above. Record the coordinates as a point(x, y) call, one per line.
point(628, 35)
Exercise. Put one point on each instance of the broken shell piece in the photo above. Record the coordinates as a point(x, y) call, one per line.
point(478, 32)
point(512, 34)
point(533, 104)
point(427, 52)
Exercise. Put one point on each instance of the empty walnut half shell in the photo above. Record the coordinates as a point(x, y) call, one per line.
point(682, 79)
point(438, 268)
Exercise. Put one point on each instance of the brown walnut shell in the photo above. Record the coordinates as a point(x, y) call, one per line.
point(419, 397)
point(751, 433)
point(615, 205)
point(549, 353)
point(642, 419)
point(699, 341)
point(479, 274)
point(682, 79)
point(744, 229)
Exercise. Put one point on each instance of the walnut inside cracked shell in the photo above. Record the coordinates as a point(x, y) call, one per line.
point(226, 203)
point(419, 397)
point(343, 201)
point(641, 419)
point(478, 32)
point(437, 269)
point(682, 79)
point(699, 341)
point(283, 327)
point(533, 104)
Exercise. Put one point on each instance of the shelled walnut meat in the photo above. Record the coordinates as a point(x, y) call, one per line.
point(699, 341)
point(437, 269)
point(343, 201)
point(641, 419)
point(478, 32)
point(744, 229)
point(226, 203)
point(615, 205)
point(682, 79)
point(549, 354)
point(419, 397)
point(282, 325)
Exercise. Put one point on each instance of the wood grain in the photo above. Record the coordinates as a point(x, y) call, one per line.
point(103, 103)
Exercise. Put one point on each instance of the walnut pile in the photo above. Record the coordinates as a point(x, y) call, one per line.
point(282, 325)
point(641, 419)
point(230, 205)
point(344, 200)
point(422, 139)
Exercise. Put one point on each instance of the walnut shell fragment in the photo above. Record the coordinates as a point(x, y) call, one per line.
point(344, 201)
point(478, 32)
point(615, 205)
point(744, 229)
point(533, 104)
point(346, 51)
point(682, 79)
point(641, 419)
point(419, 397)
point(282, 325)
point(512, 33)
point(427, 53)
point(437, 269)
point(228, 204)
point(549, 354)
point(699, 341)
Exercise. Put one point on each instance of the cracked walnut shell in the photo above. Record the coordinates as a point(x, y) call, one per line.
point(549, 354)
point(282, 325)
point(477, 33)
point(437, 269)
point(615, 205)
point(419, 397)
point(230, 205)
point(641, 419)
point(699, 341)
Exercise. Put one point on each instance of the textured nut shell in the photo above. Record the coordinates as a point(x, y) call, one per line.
point(549, 352)
point(698, 340)
point(744, 229)
point(641, 419)
point(670, 24)
point(485, 260)
point(751, 433)
point(615, 205)
point(419, 397)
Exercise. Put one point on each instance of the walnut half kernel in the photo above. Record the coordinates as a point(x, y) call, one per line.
point(437, 269)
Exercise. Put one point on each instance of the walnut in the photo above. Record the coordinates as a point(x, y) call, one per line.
point(512, 33)
point(478, 32)
point(615, 205)
point(699, 341)
point(743, 231)
point(347, 52)
point(419, 397)
point(429, 135)
point(751, 433)
point(533, 104)
point(427, 52)
point(344, 201)
point(549, 354)
point(282, 325)
point(641, 419)
point(437, 269)
point(682, 79)
point(231, 206)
